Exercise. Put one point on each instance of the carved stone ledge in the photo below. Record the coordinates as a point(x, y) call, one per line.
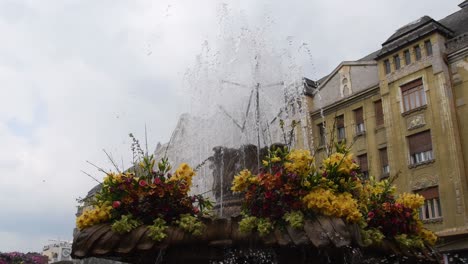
point(417, 109)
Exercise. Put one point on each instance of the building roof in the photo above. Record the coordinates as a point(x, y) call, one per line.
point(453, 25)
point(458, 21)
point(413, 32)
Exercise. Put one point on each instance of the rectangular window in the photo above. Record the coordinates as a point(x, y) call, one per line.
point(321, 130)
point(420, 147)
point(396, 60)
point(413, 95)
point(379, 119)
point(384, 161)
point(417, 52)
point(387, 66)
point(340, 127)
point(362, 160)
point(407, 57)
point(431, 208)
point(359, 119)
point(428, 46)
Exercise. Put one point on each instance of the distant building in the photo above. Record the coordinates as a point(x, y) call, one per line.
point(57, 251)
point(404, 107)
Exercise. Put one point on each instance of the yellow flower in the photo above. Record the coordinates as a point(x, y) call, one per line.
point(411, 200)
point(299, 161)
point(324, 201)
point(95, 216)
point(428, 236)
point(242, 181)
point(275, 159)
point(265, 163)
point(343, 162)
point(183, 173)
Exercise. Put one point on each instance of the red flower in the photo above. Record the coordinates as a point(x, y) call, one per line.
point(116, 204)
point(370, 215)
point(142, 183)
point(157, 181)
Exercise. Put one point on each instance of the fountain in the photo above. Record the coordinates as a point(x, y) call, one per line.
point(239, 91)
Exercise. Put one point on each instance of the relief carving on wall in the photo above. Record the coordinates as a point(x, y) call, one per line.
point(423, 181)
point(416, 121)
point(345, 81)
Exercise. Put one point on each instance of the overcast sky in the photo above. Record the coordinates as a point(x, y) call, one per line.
point(77, 76)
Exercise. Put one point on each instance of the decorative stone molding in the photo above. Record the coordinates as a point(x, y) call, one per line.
point(424, 181)
point(414, 110)
point(457, 43)
point(345, 81)
point(416, 121)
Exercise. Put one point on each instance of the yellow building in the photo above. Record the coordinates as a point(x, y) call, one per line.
point(403, 110)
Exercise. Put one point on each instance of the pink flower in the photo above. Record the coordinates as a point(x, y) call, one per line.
point(370, 215)
point(157, 181)
point(142, 183)
point(116, 204)
point(196, 210)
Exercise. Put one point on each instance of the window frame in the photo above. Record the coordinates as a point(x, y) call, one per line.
point(420, 152)
point(417, 52)
point(397, 61)
point(413, 95)
point(360, 127)
point(407, 56)
point(379, 115)
point(428, 47)
point(360, 158)
point(387, 67)
point(322, 131)
point(431, 209)
point(385, 167)
point(340, 128)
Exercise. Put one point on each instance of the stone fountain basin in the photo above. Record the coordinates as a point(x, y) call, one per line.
point(323, 240)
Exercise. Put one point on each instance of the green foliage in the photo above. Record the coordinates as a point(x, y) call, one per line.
point(371, 236)
point(264, 226)
point(294, 219)
point(409, 241)
point(248, 224)
point(191, 224)
point(157, 231)
point(125, 224)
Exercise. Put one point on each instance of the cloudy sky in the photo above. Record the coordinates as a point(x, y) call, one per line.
point(77, 76)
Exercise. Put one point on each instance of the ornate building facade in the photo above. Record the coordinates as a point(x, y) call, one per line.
point(403, 110)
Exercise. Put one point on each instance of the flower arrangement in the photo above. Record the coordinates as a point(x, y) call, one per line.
point(21, 258)
point(149, 195)
point(388, 215)
point(289, 189)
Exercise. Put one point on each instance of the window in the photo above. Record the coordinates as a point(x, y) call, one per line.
point(340, 128)
point(413, 95)
point(431, 208)
point(417, 52)
point(379, 119)
point(387, 66)
point(407, 57)
point(359, 118)
point(396, 60)
point(362, 160)
point(420, 147)
point(321, 130)
point(384, 161)
point(428, 46)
